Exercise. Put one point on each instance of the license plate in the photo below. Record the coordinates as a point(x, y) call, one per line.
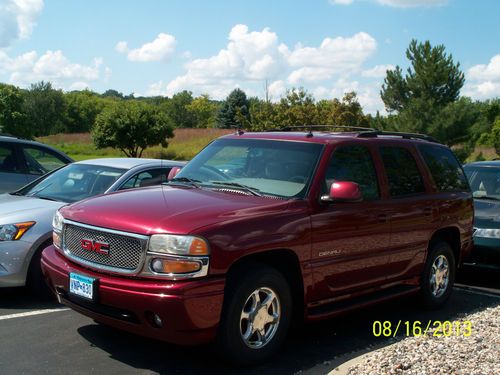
point(82, 286)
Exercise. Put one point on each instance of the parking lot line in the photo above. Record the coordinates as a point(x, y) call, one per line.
point(32, 313)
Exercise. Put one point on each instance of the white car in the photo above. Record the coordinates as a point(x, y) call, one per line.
point(26, 215)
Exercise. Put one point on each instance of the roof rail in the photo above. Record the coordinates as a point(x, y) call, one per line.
point(324, 127)
point(9, 135)
point(376, 133)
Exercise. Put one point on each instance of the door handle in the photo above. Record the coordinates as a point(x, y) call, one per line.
point(428, 211)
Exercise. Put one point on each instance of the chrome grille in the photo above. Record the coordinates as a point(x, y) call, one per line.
point(125, 253)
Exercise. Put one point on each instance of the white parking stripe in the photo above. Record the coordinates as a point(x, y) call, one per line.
point(32, 313)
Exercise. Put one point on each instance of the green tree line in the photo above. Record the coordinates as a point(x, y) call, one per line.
point(423, 99)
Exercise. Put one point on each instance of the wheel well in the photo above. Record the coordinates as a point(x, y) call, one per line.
point(286, 262)
point(452, 236)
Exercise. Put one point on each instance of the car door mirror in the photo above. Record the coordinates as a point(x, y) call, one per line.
point(343, 191)
point(173, 172)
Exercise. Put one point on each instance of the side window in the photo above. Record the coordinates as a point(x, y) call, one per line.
point(444, 167)
point(40, 161)
point(402, 171)
point(8, 160)
point(146, 178)
point(355, 164)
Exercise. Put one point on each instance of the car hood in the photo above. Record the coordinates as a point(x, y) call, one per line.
point(14, 208)
point(168, 209)
point(486, 213)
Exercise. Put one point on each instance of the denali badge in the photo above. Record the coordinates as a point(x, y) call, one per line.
point(97, 247)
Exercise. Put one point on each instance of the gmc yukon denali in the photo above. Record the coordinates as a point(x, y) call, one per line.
point(262, 228)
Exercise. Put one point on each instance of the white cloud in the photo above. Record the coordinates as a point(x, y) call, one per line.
point(17, 19)
point(378, 71)
point(483, 80)
point(52, 66)
point(340, 2)
point(412, 3)
point(160, 49)
point(333, 56)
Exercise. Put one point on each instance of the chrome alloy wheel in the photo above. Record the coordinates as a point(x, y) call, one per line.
point(260, 318)
point(440, 276)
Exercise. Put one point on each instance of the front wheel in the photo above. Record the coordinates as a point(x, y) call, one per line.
point(438, 276)
point(256, 315)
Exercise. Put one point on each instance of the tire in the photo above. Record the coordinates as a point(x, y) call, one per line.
point(438, 276)
point(36, 282)
point(239, 341)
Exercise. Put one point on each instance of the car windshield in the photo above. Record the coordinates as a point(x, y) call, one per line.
point(254, 167)
point(74, 182)
point(484, 182)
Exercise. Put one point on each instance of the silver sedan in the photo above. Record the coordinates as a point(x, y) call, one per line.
point(26, 215)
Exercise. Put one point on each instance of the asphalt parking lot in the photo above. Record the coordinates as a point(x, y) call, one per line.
point(42, 337)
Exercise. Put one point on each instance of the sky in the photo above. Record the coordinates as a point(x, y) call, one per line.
point(328, 47)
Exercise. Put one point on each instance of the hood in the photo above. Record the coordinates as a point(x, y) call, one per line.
point(486, 213)
point(168, 209)
point(15, 208)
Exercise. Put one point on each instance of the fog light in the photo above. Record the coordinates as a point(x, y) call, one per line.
point(160, 265)
point(56, 239)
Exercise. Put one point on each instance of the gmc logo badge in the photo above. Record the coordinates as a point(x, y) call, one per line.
point(96, 247)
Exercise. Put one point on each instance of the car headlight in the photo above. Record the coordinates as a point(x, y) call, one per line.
point(13, 232)
point(57, 222)
point(487, 233)
point(178, 245)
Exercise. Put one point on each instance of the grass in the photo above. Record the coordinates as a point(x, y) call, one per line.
point(185, 144)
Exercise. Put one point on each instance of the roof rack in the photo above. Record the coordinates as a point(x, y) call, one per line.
point(320, 127)
point(376, 133)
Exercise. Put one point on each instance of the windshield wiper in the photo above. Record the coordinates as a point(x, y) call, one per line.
point(487, 197)
point(47, 198)
point(185, 181)
point(34, 193)
point(249, 189)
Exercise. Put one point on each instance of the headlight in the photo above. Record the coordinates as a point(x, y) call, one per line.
point(13, 232)
point(487, 233)
point(57, 222)
point(178, 245)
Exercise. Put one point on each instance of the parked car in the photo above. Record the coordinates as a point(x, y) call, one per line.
point(308, 224)
point(26, 215)
point(22, 161)
point(484, 179)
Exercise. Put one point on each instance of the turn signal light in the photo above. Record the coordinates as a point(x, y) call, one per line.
point(177, 266)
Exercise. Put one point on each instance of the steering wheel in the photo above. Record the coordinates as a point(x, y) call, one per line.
point(298, 179)
point(213, 173)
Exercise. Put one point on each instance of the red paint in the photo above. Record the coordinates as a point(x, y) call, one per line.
point(97, 247)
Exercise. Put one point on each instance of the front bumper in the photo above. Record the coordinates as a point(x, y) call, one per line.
point(14, 263)
point(190, 310)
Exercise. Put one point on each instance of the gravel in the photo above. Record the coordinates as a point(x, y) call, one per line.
point(477, 354)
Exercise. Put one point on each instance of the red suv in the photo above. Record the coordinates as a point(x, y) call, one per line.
point(262, 227)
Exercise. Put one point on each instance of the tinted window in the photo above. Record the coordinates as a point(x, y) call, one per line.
point(444, 167)
point(8, 161)
point(354, 164)
point(484, 181)
point(41, 161)
point(147, 178)
point(402, 171)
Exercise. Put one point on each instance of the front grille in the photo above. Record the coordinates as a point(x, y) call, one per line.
point(125, 253)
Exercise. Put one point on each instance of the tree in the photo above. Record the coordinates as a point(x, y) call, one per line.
point(345, 112)
point(204, 111)
point(82, 110)
point(495, 135)
point(177, 109)
point(12, 118)
point(432, 77)
point(296, 108)
point(234, 111)
point(131, 127)
point(45, 109)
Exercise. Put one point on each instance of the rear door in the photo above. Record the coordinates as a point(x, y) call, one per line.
point(12, 177)
point(350, 241)
point(413, 214)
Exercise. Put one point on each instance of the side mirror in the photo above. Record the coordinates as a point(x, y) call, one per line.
point(173, 172)
point(343, 191)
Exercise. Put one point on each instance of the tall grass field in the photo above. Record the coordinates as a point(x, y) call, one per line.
point(185, 144)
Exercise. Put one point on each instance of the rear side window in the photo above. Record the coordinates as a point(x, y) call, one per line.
point(444, 167)
point(40, 161)
point(402, 172)
point(8, 160)
point(355, 164)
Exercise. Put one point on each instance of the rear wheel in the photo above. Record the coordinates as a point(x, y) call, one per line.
point(438, 276)
point(256, 315)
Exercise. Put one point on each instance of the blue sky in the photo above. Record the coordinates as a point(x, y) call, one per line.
point(211, 47)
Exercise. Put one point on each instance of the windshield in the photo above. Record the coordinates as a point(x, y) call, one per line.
point(74, 182)
point(484, 182)
point(254, 167)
